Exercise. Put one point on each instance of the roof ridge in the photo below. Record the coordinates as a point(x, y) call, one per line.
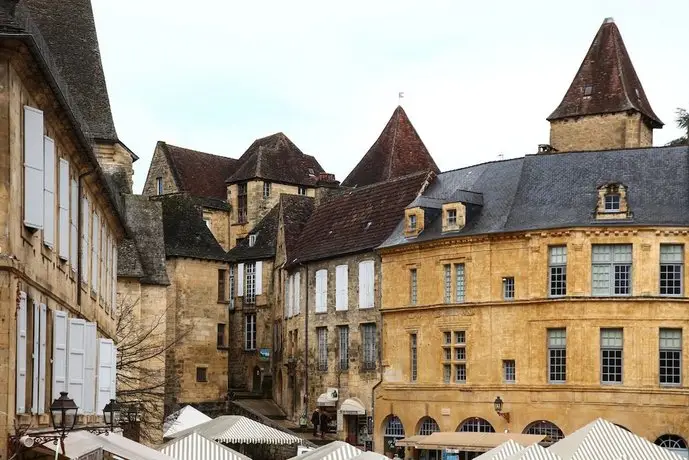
point(395, 128)
point(389, 181)
point(620, 67)
point(197, 151)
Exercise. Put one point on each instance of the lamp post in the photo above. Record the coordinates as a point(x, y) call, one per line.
point(111, 414)
point(63, 414)
point(498, 408)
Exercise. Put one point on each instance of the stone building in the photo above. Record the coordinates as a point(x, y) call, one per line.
point(555, 281)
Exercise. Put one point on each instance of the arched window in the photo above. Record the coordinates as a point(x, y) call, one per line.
point(428, 426)
point(548, 429)
point(674, 443)
point(476, 425)
point(394, 427)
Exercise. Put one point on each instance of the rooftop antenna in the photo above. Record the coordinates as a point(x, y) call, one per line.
point(400, 96)
point(501, 156)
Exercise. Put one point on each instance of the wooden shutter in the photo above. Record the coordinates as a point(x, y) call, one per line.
point(341, 288)
point(64, 209)
point(43, 357)
point(91, 352)
point(59, 353)
point(85, 250)
point(113, 375)
point(106, 369)
point(113, 301)
point(21, 354)
point(49, 192)
point(76, 360)
point(366, 284)
point(321, 291)
point(33, 168)
point(35, 356)
point(297, 293)
point(240, 280)
point(259, 278)
point(74, 216)
point(95, 247)
point(288, 296)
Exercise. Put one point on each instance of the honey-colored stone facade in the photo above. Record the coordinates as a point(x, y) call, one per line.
point(159, 168)
point(498, 329)
point(600, 132)
point(218, 222)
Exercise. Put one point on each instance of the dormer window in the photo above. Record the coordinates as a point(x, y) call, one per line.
point(302, 190)
point(588, 90)
point(252, 240)
point(452, 217)
point(412, 223)
point(612, 202)
point(266, 189)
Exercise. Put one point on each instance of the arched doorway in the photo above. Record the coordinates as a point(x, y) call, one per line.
point(548, 429)
point(256, 381)
point(476, 425)
point(425, 427)
point(674, 443)
point(392, 431)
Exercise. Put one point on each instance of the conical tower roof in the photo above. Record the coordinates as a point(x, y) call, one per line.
point(606, 81)
point(399, 151)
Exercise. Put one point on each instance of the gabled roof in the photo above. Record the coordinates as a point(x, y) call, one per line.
point(235, 429)
point(201, 174)
point(186, 417)
point(296, 211)
point(502, 451)
point(193, 446)
point(399, 151)
point(535, 452)
point(614, 85)
point(276, 158)
point(339, 450)
point(357, 220)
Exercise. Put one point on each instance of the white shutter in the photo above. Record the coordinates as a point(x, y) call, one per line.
point(288, 297)
point(106, 369)
point(113, 293)
point(76, 361)
point(35, 356)
point(113, 375)
point(49, 192)
point(33, 168)
point(85, 239)
point(21, 354)
point(106, 281)
point(74, 211)
point(90, 356)
point(296, 291)
point(43, 356)
point(259, 278)
point(341, 288)
point(366, 284)
point(94, 253)
point(59, 353)
point(64, 209)
point(321, 291)
point(240, 280)
point(369, 284)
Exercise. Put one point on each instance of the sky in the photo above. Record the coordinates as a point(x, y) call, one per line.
point(479, 78)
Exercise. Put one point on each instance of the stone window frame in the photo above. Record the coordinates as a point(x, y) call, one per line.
point(301, 190)
point(618, 260)
point(452, 219)
point(454, 346)
point(611, 355)
point(250, 282)
point(250, 331)
point(252, 239)
point(413, 222)
point(221, 341)
point(202, 376)
point(222, 285)
point(508, 288)
point(413, 356)
point(242, 203)
point(557, 270)
point(509, 371)
point(266, 189)
point(159, 185)
point(671, 276)
point(369, 336)
point(343, 348)
point(447, 283)
point(557, 355)
point(322, 344)
point(413, 285)
point(612, 202)
point(670, 348)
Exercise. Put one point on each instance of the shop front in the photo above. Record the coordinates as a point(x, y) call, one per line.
point(355, 424)
point(327, 405)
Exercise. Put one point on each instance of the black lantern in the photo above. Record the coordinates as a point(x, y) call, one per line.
point(498, 404)
point(111, 414)
point(63, 412)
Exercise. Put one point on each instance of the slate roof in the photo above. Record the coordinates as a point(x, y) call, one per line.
point(560, 190)
point(201, 174)
point(186, 234)
point(296, 211)
point(615, 86)
point(276, 158)
point(397, 152)
point(358, 220)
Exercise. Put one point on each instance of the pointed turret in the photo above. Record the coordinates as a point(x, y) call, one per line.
point(398, 151)
point(605, 107)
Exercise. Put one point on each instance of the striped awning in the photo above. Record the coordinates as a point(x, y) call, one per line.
point(184, 418)
point(466, 441)
point(369, 456)
point(235, 429)
point(536, 452)
point(501, 452)
point(81, 443)
point(193, 446)
point(336, 450)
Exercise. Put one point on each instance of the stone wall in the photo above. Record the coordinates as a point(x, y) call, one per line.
point(600, 132)
point(116, 160)
point(159, 168)
point(219, 225)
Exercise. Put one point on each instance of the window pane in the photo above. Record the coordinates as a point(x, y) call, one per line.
point(509, 371)
point(557, 270)
point(412, 287)
point(557, 355)
point(670, 357)
point(460, 373)
point(460, 337)
point(413, 355)
point(611, 341)
point(448, 283)
point(671, 253)
point(322, 334)
point(601, 279)
point(622, 279)
point(344, 347)
point(558, 255)
point(459, 283)
point(447, 370)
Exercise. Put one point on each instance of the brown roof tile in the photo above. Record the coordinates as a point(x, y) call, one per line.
point(398, 151)
point(608, 74)
point(201, 174)
point(358, 220)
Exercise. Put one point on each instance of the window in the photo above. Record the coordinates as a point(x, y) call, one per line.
point(611, 269)
point(548, 429)
point(448, 283)
point(447, 373)
point(321, 291)
point(451, 217)
point(557, 355)
point(266, 189)
point(428, 426)
point(413, 357)
point(670, 359)
point(412, 286)
point(343, 332)
point(508, 288)
point(250, 283)
point(231, 283)
point(612, 202)
point(368, 332)
point(476, 425)
point(341, 287)
point(588, 90)
point(221, 335)
point(322, 334)
point(454, 353)
point(611, 355)
point(459, 283)
point(674, 443)
point(509, 371)
point(241, 203)
point(252, 240)
point(366, 284)
point(201, 374)
point(302, 190)
point(671, 269)
point(159, 185)
point(394, 427)
point(412, 222)
point(250, 331)
point(222, 292)
point(557, 257)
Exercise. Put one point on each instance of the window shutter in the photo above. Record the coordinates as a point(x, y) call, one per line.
point(341, 285)
point(90, 368)
point(94, 253)
point(366, 284)
point(43, 356)
point(296, 289)
point(64, 209)
point(35, 356)
point(21, 354)
point(240, 280)
point(105, 373)
point(49, 192)
point(362, 284)
point(259, 278)
point(33, 167)
point(321, 290)
point(59, 353)
point(74, 212)
point(85, 239)
point(113, 375)
point(288, 296)
point(113, 293)
point(106, 280)
point(76, 360)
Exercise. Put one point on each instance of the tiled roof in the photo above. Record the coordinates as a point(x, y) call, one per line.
point(296, 211)
point(201, 174)
point(358, 220)
point(560, 190)
point(276, 158)
point(399, 151)
point(609, 75)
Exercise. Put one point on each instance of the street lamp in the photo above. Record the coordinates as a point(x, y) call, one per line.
point(63, 412)
point(498, 408)
point(111, 414)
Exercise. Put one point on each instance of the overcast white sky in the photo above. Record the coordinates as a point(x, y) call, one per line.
point(479, 78)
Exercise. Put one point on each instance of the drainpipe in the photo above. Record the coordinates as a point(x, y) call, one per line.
point(380, 357)
point(306, 345)
point(80, 229)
